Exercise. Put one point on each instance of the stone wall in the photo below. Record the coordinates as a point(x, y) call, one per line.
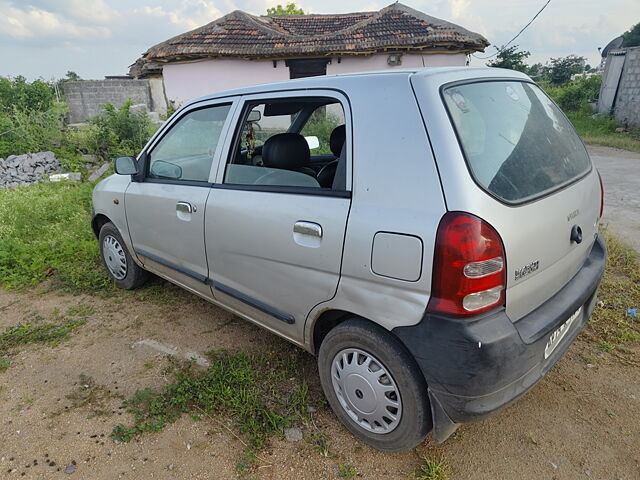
point(86, 97)
point(627, 106)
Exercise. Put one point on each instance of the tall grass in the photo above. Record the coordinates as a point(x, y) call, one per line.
point(45, 233)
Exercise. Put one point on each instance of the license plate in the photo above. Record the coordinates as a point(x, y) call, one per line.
point(557, 336)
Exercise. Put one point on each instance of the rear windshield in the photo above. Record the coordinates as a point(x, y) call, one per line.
point(516, 141)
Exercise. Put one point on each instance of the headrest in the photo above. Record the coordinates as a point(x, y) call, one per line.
point(336, 140)
point(288, 151)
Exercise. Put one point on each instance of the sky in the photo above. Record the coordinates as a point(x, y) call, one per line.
point(94, 38)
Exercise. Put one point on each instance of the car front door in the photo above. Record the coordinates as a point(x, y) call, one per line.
point(166, 207)
point(274, 236)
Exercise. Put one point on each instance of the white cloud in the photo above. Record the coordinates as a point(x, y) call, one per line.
point(189, 14)
point(459, 8)
point(33, 22)
point(92, 11)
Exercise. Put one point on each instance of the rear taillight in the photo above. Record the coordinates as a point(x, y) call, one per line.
point(601, 195)
point(469, 271)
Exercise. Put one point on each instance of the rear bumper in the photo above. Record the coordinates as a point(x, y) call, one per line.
point(476, 366)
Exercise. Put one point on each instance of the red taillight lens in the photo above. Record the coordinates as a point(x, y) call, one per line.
point(601, 195)
point(469, 271)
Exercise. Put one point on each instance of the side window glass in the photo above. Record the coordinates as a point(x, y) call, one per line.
point(187, 150)
point(322, 122)
point(287, 143)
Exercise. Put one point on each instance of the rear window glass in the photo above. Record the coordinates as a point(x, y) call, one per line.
point(516, 141)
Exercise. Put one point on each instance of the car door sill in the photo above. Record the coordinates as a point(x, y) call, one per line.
point(173, 266)
point(263, 307)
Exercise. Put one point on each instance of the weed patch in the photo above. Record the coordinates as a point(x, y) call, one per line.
point(28, 333)
point(260, 393)
point(347, 471)
point(432, 470)
point(610, 328)
point(91, 396)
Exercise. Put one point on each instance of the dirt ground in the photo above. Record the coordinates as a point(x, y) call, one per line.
point(581, 421)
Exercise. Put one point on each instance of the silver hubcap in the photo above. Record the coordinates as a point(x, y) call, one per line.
point(114, 257)
point(366, 390)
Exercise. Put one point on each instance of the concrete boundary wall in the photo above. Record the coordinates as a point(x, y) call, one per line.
point(621, 86)
point(627, 106)
point(86, 97)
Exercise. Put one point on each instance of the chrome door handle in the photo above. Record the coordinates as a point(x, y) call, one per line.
point(185, 207)
point(308, 228)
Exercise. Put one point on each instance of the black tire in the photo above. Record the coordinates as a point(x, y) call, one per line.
point(415, 418)
point(131, 276)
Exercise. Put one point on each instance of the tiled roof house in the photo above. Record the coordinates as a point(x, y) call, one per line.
point(240, 49)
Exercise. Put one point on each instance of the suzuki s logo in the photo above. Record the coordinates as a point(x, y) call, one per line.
point(573, 215)
point(527, 269)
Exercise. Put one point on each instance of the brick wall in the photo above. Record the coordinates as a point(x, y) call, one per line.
point(86, 97)
point(627, 107)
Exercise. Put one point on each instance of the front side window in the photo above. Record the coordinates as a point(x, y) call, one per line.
point(286, 143)
point(186, 152)
point(517, 143)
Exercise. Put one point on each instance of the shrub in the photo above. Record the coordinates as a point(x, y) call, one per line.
point(118, 131)
point(574, 95)
point(24, 130)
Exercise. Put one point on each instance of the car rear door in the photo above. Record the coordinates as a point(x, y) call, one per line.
point(166, 206)
point(275, 251)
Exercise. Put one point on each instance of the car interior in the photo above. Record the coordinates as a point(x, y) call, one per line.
point(292, 142)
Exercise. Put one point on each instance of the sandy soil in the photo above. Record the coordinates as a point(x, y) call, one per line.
point(582, 421)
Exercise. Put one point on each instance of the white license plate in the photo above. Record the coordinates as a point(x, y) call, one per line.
point(556, 337)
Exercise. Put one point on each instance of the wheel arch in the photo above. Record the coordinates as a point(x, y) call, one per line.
point(97, 222)
point(331, 318)
point(324, 323)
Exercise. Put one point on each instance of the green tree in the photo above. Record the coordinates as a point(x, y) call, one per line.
point(72, 77)
point(510, 58)
point(290, 9)
point(561, 69)
point(536, 71)
point(632, 37)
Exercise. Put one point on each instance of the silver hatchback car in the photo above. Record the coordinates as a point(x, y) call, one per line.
point(431, 235)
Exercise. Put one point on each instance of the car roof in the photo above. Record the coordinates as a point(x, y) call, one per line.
point(439, 74)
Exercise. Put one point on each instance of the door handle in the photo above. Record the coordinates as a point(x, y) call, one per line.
point(308, 228)
point(185, 207)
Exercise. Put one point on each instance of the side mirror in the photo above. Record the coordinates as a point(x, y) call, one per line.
point(162, 169)
point(313, 142)
point(126, 166)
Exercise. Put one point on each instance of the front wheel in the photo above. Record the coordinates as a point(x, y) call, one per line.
point(374, 386)
point(117, 259)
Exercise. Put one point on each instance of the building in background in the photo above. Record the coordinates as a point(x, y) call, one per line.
point(241, 49)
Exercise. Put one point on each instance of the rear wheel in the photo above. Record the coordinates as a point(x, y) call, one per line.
point(374, 386)
point(117, 259)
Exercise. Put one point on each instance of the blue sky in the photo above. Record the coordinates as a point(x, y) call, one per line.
point(46, 38)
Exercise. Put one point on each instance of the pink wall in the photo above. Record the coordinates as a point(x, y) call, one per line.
point(184, 81)
point(379, 62)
